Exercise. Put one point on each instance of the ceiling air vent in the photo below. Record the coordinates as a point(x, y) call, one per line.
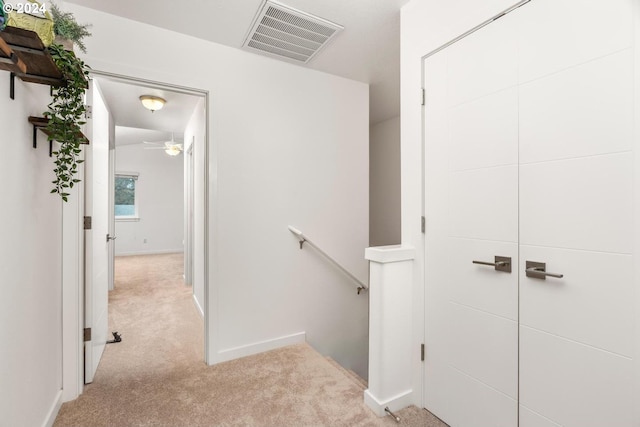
point(288, 33)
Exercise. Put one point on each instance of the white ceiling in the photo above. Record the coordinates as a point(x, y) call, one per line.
point(123, 101)
point(368, 50)
point(131, 136)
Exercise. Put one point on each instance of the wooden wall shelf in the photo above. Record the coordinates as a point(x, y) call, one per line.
point(23, 54)
point(40, 123)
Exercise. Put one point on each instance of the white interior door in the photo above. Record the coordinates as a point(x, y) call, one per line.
point(471, 183)
point(528, 154)
point(97, 245)
point(576, 213)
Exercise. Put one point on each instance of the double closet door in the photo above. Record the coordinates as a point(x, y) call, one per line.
point(529, 166)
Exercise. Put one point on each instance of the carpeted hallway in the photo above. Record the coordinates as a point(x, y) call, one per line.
point(157, 377)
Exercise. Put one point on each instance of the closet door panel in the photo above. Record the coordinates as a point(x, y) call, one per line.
point(479, 286)
point(483, 204)
point(583, 111)
point(439, 394)
point(589, 305)
point(478, 405)
point(583, 203)
point(528, 418)
point(482, 132)
point(484, 347)
point(483, 63)
point(573, 384)
point(557, 34)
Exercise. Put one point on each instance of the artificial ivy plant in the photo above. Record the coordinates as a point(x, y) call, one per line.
point(66, 114)
point(66, 26)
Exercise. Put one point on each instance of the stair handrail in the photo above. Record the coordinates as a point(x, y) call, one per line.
point(304, 239)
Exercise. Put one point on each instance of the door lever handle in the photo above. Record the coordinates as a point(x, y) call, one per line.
point(109, 237)
point(501, 263)
point(538, 270)
point(492, 264)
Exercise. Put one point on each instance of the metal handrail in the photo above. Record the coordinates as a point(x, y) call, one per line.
point(303, 239)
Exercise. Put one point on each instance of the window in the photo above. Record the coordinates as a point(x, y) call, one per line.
point(126, 206)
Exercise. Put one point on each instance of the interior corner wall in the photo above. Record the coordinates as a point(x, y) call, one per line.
point(195, 134)
point(289, 146)
point(159, 196)
point(30, 264)
point(384, 183)
point(425, 26)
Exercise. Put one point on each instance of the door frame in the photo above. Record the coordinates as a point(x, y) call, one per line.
point(73, 290)
point(73, 255)
point(636, 200)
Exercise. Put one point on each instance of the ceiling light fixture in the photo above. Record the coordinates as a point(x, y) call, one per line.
point(152, 103)
point(172, 150)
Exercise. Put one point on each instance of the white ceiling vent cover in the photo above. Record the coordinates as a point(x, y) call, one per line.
point(289, 34)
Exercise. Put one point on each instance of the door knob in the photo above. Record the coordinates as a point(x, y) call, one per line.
point(110, 238)
point(538, 270)
point(501, 263)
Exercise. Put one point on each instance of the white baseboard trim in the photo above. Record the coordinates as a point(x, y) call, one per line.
point(198, 306)
point(53, 412)
point(396, 403)
point(160, 252)
point(260, 347)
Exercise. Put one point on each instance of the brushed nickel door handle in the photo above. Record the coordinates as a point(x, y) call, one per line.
point(538, 270)
point(501, 263)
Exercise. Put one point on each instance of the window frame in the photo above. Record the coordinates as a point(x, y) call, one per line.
point(135, 216)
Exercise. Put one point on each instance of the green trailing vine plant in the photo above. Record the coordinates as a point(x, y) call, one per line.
point(66, 114)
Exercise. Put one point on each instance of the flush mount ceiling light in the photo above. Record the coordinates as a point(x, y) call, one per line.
point(290, 34)
point(152, 103)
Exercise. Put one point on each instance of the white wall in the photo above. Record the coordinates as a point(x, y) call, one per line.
point(384, 183)
point(425, 26)
point(195, 134)
point(30, 264)
point(159, 194)
point(289, 146)
point(636, 198)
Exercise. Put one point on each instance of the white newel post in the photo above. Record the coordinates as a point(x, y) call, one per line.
point(390, 325)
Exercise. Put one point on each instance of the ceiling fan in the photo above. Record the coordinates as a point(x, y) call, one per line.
point(172, 147)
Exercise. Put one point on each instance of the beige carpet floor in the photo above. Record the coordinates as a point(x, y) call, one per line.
point(157, 376)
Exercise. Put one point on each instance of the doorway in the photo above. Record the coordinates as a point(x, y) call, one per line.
point(153, 196)
point(528, 196)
